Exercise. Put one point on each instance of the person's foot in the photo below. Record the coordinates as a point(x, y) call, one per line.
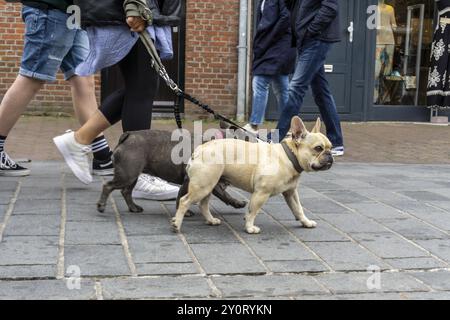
point(337, 151)
point(102, 167)
point(9, 168)
point(75, 155)
point(250, 128)
point(153, 188)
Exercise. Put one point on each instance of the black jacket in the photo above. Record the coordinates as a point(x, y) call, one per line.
point(315, 19)
point(110, 12)
point(272, 51)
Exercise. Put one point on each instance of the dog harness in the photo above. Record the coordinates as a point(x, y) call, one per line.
point(292, 157)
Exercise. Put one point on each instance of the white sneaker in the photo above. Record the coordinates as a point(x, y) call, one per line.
point(153, 188)
point(250, 129)
point(338, 151)
point(75, 155)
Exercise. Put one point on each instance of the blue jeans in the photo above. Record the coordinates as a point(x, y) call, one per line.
point(310, 71)
point(49, 45)
point(261, 83)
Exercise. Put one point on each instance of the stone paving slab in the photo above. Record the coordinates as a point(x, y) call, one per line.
point(268, 286)
point(39, 207)
point(389, 245)
point(414, 229)
point(28, 272)
point(422, 263)
point(439, 247)
point(401, 229)
point(161, 269)
point(296, 266)
point(226, 258)
point(28, 250)
point(437, 280)
point(151, 249)
point(352, 223)
point(33, 225)
point(340, 283)
point(346, 256)
point(163, 288)
point(97, 260)
point(45, 290)
point(91, 233)
point(3, 209)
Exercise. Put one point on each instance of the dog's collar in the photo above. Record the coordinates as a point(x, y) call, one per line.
point(292, 157)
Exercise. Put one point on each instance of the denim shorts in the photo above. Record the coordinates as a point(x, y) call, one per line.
point(50, 45)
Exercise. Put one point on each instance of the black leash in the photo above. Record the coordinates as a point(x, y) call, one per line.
point(161, 70)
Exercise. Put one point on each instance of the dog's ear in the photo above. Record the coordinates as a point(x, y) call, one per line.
point(317, 127)
point(298, 128)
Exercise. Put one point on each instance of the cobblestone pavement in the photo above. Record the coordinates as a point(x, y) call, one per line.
point(388, 217)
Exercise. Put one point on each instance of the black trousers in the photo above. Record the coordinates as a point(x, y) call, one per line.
point(133, 103)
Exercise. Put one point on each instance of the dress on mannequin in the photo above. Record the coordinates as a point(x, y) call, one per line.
point(438, 90)
point(384, 56)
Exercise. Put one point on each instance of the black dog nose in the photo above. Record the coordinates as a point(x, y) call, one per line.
point(329, 158)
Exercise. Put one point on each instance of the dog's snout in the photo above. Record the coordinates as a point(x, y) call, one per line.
point(329, 158)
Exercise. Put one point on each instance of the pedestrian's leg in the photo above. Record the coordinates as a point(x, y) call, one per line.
point(141, 87)
point(84, 99)
point(16, 100)
point(308, 63)
point(261, 85)
point(327, 107)
point(280, 85)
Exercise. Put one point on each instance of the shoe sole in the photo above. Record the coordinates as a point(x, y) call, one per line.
point(338, 154)
point(21, 173)
point(156, 197)
point(69, 161)
point(103, 173)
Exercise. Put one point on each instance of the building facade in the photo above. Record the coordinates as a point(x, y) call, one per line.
point(373, 77)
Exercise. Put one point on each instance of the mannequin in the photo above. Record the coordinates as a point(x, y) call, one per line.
point(384, 56)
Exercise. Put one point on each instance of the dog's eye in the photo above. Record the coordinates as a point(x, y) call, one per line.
point(318, 149)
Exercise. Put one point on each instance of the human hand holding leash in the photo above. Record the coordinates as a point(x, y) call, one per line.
point(137, 24)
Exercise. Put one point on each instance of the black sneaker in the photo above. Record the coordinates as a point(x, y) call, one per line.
point(102, 167)
point(8, 168)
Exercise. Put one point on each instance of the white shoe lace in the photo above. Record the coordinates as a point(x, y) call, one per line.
point(6, 162)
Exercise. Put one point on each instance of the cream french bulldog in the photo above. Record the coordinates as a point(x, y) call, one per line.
point(263, 169)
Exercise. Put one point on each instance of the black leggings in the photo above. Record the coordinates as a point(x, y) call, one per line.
point(133, 104)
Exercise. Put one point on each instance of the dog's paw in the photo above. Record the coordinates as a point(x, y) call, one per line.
point(175, 226)
point(136, 209)
point(101, 207)
point(238, 204)
point(309, 224)
point(214, 222)
point(253, 230)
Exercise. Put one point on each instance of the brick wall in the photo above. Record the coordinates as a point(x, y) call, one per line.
point(53, 98)
point(211, 54)
point(211, 57)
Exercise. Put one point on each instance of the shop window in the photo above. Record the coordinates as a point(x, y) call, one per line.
point(404, 37)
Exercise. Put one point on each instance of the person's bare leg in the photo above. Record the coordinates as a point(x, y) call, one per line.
point(84, 99)
point(16, 101)
point(92, 128)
